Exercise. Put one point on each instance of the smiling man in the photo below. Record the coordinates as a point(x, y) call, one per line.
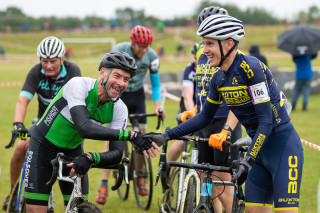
point(77, 112)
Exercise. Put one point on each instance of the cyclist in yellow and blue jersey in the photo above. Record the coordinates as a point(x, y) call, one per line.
point(273, 164)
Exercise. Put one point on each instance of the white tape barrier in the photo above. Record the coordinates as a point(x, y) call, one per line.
point(11, 83)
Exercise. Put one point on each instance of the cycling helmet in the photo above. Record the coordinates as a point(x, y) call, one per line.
point(197, 46)
point(208, 11)
point(120, 60)
point(141, 35)
point(50, 47)
point(221, 27)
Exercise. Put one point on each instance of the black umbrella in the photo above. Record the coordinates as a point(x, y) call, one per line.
point(300, 40)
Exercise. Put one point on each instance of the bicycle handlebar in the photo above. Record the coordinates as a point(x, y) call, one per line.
point(141, 115)
point(14, 136)
point(204, 167)
point(59, 160)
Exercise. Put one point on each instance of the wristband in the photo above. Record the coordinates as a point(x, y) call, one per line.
point(249, 159)
point(226, 127)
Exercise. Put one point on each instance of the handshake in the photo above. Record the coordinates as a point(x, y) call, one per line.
point(148, 142)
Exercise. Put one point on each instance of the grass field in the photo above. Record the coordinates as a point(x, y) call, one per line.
point(21, 50)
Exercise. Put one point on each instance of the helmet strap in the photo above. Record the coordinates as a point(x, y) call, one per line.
point(223, 57)
point(104, 83)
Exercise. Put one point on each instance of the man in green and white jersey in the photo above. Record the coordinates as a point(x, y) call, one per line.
point(77, 112)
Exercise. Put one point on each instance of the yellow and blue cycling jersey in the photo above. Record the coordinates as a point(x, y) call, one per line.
point(204, 74)
point(250, 92)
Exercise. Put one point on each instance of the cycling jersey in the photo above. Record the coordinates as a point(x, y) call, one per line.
point(46, 88)
point(204, 74)
point(149, 61)
point(59, 128)
point(189, 75)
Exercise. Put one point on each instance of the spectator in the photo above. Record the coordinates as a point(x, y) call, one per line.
point(304, 76)
point(2, 52)
point(255, 51)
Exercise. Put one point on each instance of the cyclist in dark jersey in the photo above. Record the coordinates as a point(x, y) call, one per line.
point(45, 79)
point(77, 112)
point(188, 98)
point(146, 59)
point(273, 165)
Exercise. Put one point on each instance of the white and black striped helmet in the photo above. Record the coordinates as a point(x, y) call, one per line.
point(209, 11)
point(221, 27)
point(50, 47)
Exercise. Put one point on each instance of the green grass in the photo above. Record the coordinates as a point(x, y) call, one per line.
point(21, 50)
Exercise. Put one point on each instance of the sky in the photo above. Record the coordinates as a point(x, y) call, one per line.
point(160, 8)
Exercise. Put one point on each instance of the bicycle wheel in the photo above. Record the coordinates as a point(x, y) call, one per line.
point(13, 198)
point(190, 202)
point(143, 200)
point(170, 197)
point(88, 207)
point(123, 190)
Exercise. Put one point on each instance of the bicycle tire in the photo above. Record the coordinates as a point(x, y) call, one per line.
point(123, 190)
point(88, 207)
point(170, 199)
point(190, 203)
point(13, 199)
point(143, 202)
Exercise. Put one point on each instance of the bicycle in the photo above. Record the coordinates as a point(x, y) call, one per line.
point(132, 170)
point(191, 199)
point(16, 201)
point(76, 201)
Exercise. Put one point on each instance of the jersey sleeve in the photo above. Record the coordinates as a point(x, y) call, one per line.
point(75, 92)
point(30, 85)
point(120, 115)
point(188, 76)
point(154, 61)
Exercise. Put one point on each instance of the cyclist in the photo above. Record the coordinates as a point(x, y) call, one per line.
point(146, 58)
point(188, 98)
point(273, 165)
point(224, 123)
point(77, 112)
point(45, 79)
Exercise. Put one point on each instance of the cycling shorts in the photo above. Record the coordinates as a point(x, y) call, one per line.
point(276, 175)
point(136, 103)
point(208, 154)
point(39, 170)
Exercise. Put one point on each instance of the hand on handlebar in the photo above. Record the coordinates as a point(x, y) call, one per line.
point(81, 165)
point(216, 140)
point(20, 129)
point(242, 173)
point(188, 114)
point(144, 144)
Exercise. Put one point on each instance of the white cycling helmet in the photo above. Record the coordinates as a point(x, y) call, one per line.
point(221, 27)
point(209, 11)
point(50, 47)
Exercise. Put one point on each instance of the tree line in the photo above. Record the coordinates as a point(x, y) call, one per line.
point(14, 20)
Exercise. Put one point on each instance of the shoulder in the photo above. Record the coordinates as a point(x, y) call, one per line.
point(124, 46)
point(121, 108)
point(152, 53)
point(72, 68)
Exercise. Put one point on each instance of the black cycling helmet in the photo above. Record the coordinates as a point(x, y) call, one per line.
point(196, 47)
point(208, 11)
point(120, 60)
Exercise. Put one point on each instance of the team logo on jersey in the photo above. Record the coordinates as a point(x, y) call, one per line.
point(235, 96)
point(234, 81)
point(247, 69)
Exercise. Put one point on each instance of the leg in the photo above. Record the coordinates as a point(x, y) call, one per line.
point(306, 93)
point(296, 93)
point(175, 150)
point(36, 209)
point(226, 196)
point(102, 195)
point(17, 160)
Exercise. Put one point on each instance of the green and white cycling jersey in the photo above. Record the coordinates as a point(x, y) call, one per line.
point(57, 125)
point(149, 61)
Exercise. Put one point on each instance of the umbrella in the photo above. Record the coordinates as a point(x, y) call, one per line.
point(300, 40)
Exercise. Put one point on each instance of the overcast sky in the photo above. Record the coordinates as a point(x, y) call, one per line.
point(159, 8)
